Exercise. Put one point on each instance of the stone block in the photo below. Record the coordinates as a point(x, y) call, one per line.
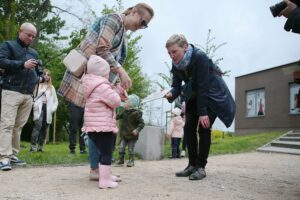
point(150, 144)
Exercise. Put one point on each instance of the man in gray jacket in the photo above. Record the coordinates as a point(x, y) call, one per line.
point(21, 74)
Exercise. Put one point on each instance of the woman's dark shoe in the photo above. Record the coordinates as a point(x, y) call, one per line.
point(186, 172)
point(198, 174)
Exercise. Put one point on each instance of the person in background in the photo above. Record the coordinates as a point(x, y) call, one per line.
point(75, 125)
point(292, 13)
point(260, 107)
point(21, 72)
point(131, 123)
point(206, 96)
point(176, 132)
point(45, 104)
point(183, 144)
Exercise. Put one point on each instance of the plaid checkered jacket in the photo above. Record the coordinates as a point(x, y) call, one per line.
point(109, 28)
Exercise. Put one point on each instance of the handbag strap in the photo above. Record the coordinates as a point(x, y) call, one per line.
point(35, 99)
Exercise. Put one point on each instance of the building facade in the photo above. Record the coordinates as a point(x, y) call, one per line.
point(268, 100)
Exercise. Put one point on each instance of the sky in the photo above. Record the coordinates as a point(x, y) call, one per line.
point(255, 40)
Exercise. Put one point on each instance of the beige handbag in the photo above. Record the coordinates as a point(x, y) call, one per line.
point(75, 62)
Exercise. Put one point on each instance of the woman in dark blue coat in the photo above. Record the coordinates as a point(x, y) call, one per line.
point(206, 96)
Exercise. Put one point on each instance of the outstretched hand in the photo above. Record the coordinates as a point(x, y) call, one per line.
point(169, 96)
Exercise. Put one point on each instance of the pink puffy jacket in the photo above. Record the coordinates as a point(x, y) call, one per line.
point(101, 101)
point(176, 127)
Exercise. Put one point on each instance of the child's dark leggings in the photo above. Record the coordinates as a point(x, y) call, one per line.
point(104, 142)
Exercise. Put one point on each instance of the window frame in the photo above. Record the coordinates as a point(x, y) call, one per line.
point(294, 88)
point(253, 96)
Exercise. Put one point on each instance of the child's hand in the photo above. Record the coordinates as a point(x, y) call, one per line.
point(123, 93)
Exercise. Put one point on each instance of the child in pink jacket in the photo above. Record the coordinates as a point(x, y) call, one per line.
point(99, 115)
point(176, 132)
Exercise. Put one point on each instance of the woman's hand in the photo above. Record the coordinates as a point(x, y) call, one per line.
point(204, 121)
point(126, 82)
point(169, 96)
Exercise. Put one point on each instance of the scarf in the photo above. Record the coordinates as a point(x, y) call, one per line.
point(185, 61)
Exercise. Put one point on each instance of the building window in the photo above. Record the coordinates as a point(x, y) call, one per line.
point(295, 98)
point(255, 103)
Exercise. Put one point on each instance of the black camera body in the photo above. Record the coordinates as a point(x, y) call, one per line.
point(38, 63)
point(277, 8)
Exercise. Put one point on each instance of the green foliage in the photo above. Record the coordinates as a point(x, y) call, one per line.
point(53, 154)
point(141, 83)
point(165, 77)
point(13, 13)
point(115, 8)
point(8, 25)
point(217, 134)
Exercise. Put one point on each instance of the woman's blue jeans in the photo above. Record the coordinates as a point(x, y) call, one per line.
point(94, 154)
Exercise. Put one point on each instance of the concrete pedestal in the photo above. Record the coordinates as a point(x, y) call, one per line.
point(150, 144)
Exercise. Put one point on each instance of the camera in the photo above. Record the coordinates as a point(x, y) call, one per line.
point(277, 8)
point(38, 63)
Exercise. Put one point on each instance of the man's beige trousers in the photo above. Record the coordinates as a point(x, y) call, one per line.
point(15, 110)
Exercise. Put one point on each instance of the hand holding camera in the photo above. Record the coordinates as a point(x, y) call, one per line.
point(284, 8)
point(288, 10)
point(31, 63)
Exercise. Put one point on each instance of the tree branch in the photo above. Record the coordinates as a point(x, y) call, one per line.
point(68, 12)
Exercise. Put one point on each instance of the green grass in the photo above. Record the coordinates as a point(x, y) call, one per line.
point(235, 144)
point(239, 144)
point(56, 154)
point(53, 154)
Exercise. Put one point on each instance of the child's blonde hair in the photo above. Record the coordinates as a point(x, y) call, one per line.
point(49, 83)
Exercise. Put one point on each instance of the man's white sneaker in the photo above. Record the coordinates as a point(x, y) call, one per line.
point(5, 165)
point(15, 161)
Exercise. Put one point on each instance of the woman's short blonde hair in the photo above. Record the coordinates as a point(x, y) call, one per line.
point(140, 8)
point(178, 39)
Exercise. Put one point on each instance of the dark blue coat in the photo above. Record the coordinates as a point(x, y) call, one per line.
point(205, 81)
point(13, 55)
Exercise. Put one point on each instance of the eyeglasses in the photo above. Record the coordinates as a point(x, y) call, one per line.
point(143, 24)
point(29, 34)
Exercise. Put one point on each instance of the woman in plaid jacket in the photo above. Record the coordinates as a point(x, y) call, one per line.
point(107, 39)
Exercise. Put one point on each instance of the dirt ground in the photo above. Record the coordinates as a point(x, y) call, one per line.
point(239, 176)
